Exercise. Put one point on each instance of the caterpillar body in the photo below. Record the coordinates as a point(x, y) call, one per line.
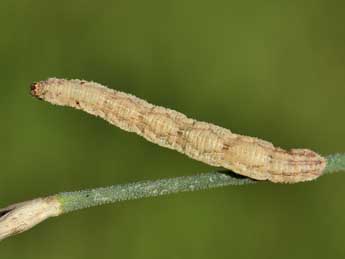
point(206, 142)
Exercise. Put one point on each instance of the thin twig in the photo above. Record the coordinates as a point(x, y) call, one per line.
point(88, 198)
point(20, 217)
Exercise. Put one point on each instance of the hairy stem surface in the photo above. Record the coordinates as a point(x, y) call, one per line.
point(20, 217)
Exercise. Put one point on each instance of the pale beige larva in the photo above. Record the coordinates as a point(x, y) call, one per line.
point(211, 144)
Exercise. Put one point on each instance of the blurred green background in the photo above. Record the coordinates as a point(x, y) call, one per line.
point(271, 69)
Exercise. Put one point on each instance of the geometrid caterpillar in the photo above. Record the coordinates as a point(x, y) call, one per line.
point(211, 144)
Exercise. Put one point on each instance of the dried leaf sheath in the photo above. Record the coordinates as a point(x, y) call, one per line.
point(202, 141)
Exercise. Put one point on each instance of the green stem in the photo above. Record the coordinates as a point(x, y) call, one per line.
point(335, 163)
point(71, 201)
point(20, 217)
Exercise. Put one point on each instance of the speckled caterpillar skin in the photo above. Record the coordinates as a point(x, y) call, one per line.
point(211, 144)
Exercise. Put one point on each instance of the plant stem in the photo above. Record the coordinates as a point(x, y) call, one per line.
point(23, 216)
point(87, 198)
point(335, 163)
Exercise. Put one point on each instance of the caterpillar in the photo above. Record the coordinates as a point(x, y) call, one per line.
point(205, 142)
